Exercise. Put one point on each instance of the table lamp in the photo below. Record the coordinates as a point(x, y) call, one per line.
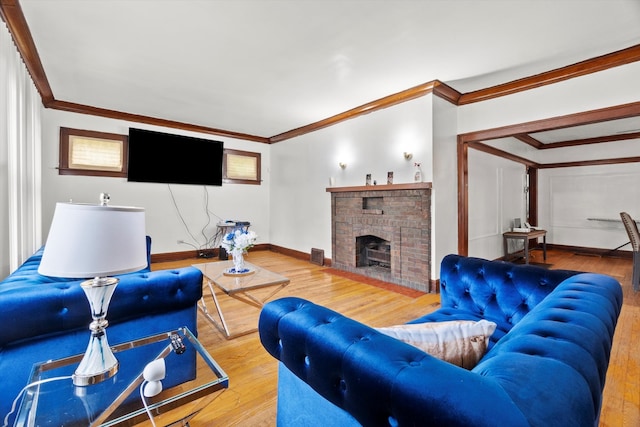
point(95, 241)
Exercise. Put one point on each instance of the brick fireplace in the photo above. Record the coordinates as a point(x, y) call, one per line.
point(383, 232)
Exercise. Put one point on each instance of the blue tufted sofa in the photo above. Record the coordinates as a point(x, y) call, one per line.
point(545, 365)
point(43, 318)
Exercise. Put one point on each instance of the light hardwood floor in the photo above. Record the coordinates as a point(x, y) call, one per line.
point(251, 397)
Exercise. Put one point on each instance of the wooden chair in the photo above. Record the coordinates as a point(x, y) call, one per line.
point(634, 239)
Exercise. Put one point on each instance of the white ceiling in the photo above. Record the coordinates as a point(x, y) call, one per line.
point(264, 67)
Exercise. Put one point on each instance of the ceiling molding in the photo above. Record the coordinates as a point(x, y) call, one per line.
point(597, 162)
point(12, 14)
point(501, 153)
point(446, 92)
point(593, 65)
point(112, 114)
point(521, 131)
point(369, 107)
point(528, 139)
point(594, 140)
point(583, 118)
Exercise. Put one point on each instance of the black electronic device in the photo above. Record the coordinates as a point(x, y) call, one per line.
point(174, 159)
point(177, 344)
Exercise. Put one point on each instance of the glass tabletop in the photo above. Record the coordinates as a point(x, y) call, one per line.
point(257, 277)
point(192, 378)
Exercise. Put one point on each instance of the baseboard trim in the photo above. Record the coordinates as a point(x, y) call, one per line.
point(214, 253)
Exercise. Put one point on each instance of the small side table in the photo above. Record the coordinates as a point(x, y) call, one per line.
point(188, 387)
point(525, 237)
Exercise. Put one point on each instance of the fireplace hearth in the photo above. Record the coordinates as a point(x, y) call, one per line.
point(383, 232)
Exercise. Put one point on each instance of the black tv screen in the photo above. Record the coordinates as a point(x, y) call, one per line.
point(173, 159)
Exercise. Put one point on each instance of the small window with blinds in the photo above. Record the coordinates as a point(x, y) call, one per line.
point(84, 152)
point(241, 167)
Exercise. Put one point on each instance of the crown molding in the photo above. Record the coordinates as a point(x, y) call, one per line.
point(12, 14)
point(406, 95)
point(589, 66)
point(113, 114)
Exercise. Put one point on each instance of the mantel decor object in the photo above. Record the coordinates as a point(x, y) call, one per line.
point(417, 177)
point(95, 241)
point(237, 243)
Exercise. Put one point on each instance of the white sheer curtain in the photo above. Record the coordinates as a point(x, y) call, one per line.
point(20, 152)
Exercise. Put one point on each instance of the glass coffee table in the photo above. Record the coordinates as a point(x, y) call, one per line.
point(242, 287)
point(193, 380)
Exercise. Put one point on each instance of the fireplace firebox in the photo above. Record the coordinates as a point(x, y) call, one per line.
point(373, 251)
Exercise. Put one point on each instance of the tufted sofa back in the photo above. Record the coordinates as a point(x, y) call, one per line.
point(502, 292)
point(37, 305)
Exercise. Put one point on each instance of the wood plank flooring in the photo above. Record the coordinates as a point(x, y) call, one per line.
point(251, 397)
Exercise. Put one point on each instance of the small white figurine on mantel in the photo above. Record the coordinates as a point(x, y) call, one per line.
point(418, 175)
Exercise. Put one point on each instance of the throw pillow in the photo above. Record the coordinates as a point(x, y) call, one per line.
point(461, 342)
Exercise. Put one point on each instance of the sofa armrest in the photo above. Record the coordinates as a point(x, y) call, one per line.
point(378, 379)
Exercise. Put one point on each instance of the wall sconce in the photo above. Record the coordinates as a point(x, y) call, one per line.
point(408, 156)
point(342, 165)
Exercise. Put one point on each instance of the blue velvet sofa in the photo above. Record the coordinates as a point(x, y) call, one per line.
point(45, 318)
point(545, 364)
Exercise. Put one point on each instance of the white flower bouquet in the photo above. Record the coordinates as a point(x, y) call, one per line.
point(237, 242)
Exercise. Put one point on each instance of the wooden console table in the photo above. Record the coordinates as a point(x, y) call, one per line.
point(525, 237)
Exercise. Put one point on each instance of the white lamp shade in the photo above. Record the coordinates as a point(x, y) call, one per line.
point(94, 241)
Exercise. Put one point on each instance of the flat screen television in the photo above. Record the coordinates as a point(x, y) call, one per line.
point(173, 159)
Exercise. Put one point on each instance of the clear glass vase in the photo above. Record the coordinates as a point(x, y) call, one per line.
point(238, 261)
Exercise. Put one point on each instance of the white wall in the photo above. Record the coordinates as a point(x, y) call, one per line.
point(190, 218)
point(566, 196)
point(615, 86)
point(373, 143)
point(444, 195)
point(496, 197)
point(292, 208)
point(573, 201)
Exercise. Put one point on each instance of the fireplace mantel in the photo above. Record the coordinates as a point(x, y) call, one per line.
point(386, 187)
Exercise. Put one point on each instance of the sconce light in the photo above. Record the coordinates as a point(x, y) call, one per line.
point(408, 156)
point(342, 165)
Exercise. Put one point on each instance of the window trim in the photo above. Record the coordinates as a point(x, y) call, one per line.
point(258, 158)
point(63, 162)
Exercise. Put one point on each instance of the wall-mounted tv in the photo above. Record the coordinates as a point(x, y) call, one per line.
point(173, 159)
